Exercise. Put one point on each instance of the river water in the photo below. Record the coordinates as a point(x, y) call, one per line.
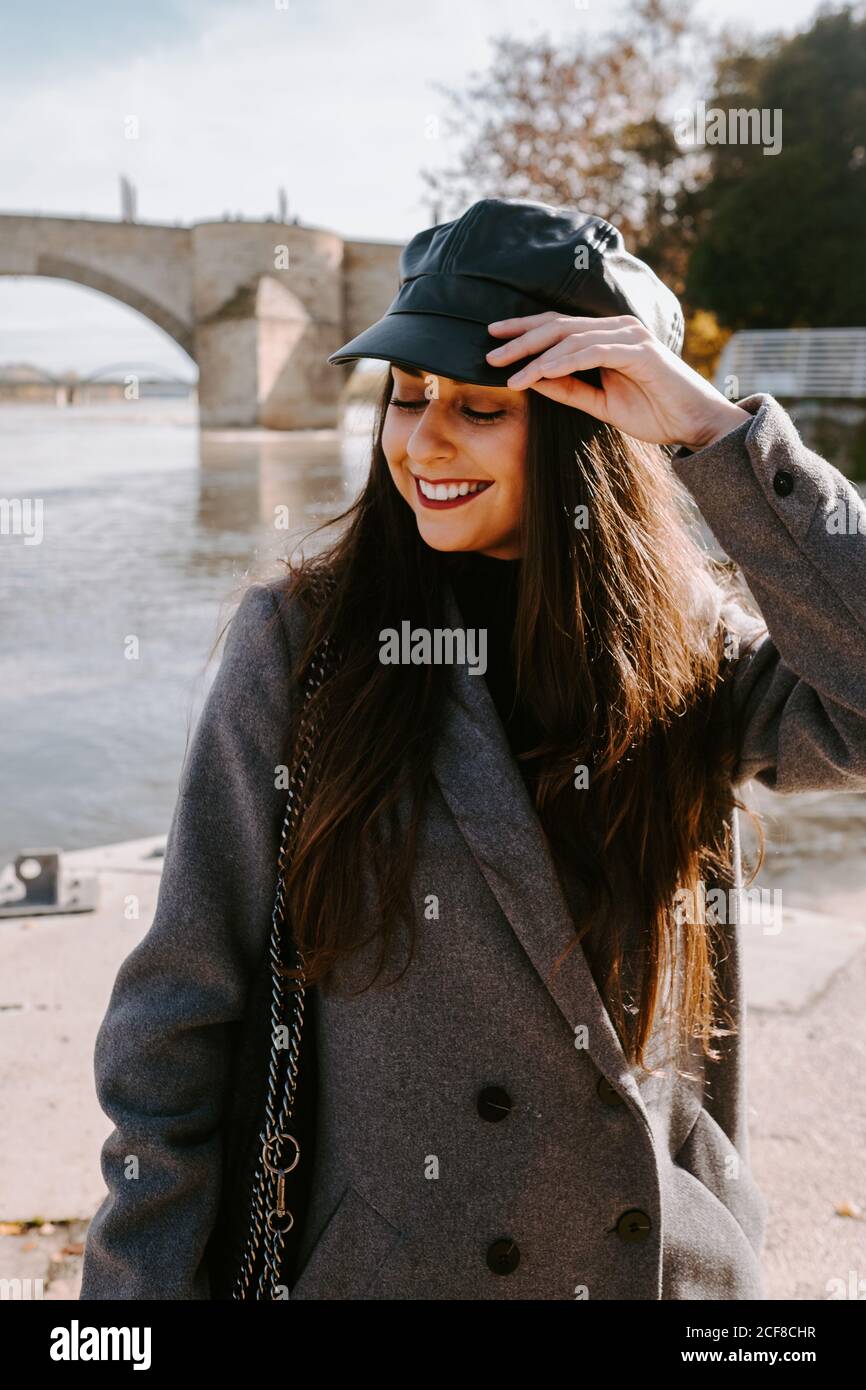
point(150, 529)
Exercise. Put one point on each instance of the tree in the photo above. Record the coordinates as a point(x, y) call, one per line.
point(587, 125)
point(778, 239)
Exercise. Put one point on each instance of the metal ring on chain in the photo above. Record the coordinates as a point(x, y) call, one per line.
point(274, 1219)
point(275, 1139)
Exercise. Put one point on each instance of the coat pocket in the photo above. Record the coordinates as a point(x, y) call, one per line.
point(713, 1219)
point(350, 1252)
point(709, 1156)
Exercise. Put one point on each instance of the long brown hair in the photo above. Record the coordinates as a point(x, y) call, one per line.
point(619, 655)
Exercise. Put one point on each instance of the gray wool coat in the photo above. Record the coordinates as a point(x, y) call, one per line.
point(602, 1182)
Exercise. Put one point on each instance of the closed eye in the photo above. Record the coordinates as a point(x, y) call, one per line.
point(478, 417)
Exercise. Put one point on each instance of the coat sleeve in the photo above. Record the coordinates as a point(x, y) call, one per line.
point(161, 1053)
point(797, 529)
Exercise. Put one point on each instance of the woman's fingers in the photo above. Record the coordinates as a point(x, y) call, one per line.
point(551, 332)
point(574, 392)
point(505, 327)
point(564, 359)
point(525, 322)
point(544, 336)
point(634, 366)
point(525, 344)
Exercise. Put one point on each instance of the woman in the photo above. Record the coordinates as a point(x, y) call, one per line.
point(514, 883)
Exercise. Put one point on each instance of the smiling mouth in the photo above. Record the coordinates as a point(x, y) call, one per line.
point(450, 492)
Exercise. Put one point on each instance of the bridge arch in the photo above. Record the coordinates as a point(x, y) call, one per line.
point(146, 267)
point(92, 278)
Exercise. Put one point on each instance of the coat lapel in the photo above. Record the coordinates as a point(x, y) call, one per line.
point(485, 791)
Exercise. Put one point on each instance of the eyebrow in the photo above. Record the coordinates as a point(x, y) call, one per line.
point(410, 371)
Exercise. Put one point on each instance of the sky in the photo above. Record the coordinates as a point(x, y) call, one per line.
point(232, 100)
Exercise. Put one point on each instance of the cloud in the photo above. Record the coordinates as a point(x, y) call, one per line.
point(328, 100)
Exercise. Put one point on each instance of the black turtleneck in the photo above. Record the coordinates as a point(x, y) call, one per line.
point(486, 592)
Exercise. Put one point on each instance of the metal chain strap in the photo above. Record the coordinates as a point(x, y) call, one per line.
point(270, 1218)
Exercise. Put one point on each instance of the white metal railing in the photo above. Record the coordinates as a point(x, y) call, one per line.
point(795, 362)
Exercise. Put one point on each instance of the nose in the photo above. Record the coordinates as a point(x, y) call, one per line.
point(430, 441)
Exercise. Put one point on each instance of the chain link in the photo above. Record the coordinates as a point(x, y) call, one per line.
point(270, 1219)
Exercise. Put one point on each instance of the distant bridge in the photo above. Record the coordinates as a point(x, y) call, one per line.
point(12, 373)
point(144, 371)
point(258, 306)
point(17, 379)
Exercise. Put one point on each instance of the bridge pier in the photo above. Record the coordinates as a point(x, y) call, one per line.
point(262, 363)
point(268, 306)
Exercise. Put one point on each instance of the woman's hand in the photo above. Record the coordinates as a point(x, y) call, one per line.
point(647, 391)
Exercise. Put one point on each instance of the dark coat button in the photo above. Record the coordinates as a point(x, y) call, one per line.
point(608, 1093)
point(783, 483)
point(633, 1225)
point(503, 1257)
point(493, 1103)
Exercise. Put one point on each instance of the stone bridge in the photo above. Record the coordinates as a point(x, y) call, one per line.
point(257, 305)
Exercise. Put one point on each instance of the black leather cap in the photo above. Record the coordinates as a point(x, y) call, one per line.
point(504, 258)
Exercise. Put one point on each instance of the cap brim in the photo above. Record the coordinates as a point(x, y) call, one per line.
point(440, 344)
point(435, 343)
